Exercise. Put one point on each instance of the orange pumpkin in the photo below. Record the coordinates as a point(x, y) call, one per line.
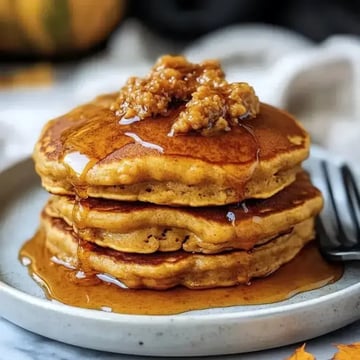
point(50, 27)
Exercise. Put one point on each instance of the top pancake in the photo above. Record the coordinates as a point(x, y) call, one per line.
point(88, 152)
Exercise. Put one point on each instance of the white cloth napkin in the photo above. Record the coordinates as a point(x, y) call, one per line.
point(320, 84)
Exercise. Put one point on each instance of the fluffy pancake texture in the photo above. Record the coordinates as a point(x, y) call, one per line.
point(165, 270)
point(180, 178)
point(89, 151)
point(147, 228)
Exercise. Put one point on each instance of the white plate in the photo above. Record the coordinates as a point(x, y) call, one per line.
point(207, 332)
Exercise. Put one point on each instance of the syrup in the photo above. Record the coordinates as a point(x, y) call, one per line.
point(306, 272)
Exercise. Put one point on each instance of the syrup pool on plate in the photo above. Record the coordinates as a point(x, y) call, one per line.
point(307, 271)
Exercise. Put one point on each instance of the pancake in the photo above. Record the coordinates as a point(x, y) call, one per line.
point(147, 228)
point(180, 178)
point(89, 153)
point(165, 270)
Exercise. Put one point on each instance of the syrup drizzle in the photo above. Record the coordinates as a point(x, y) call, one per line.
point(78, 163)
point(143, 143)
point(128, 121)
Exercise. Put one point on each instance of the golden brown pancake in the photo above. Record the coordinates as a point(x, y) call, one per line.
point(147, 228)
point(88, 152)
point(181, 178)
point(165, 270)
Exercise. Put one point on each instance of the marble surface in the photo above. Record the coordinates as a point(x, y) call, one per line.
point(19, 344)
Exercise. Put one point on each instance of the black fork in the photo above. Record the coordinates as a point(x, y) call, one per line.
point(340, 239)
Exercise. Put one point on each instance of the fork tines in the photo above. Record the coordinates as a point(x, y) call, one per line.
point(338, 228)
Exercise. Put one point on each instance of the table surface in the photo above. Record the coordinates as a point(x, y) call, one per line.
point(19, 344)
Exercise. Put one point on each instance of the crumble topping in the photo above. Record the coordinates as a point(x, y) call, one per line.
point(212, 105)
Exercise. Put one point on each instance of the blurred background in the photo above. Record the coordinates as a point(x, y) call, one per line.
point(300, 55)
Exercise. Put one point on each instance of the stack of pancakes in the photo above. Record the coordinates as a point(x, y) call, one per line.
point(155, 211)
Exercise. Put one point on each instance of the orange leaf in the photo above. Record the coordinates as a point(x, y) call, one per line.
point(301, 354)
point(348, 352)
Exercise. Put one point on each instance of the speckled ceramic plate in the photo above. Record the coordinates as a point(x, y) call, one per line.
point(207, 332)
